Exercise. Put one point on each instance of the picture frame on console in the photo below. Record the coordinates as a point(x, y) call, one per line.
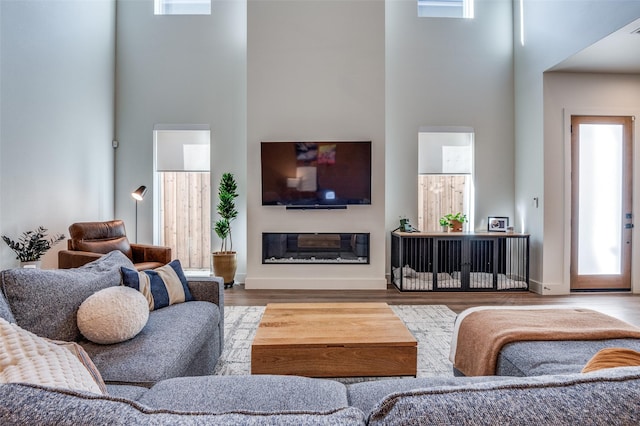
point(497, 223)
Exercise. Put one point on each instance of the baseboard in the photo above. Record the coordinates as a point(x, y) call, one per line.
point(535, 287)
point(315, 284)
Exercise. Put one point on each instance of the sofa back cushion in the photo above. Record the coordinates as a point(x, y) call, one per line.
point(260, 392)
point(99, 237)
point(603, 397)
point(46, 302)
point(30, 404)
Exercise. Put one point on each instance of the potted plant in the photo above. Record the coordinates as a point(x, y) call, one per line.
point(224, 261)
point(30, 247)
point(454, 221)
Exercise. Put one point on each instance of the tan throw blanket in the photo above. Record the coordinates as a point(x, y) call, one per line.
point(482, 334)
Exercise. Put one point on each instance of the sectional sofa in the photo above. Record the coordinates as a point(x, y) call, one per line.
point(183, 339)
point(163, 375)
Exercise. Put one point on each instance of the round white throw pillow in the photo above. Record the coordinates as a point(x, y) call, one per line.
point(113, 315)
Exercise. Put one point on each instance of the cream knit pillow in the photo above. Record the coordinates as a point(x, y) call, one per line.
point(27, 358)
point(113, 315)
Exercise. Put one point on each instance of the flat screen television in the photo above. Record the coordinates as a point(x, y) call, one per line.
point(316, 174)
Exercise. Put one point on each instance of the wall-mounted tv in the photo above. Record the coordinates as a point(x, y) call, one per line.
point(316, 174)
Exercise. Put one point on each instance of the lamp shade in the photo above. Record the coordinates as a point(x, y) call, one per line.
point(138, 194)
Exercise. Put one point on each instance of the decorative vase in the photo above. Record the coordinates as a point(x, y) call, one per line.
point(225, 265)
point(32, 264)
point(456, 226)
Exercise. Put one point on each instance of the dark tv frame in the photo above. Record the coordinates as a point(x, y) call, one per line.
point(316, 205)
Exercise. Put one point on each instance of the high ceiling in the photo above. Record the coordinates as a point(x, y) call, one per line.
point(617, 53)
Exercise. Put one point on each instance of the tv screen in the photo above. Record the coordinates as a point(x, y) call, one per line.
point(320, 174)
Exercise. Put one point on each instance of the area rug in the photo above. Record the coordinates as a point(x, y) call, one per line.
point(431, 325)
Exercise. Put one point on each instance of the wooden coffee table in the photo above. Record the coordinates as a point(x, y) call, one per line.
point(333, 340)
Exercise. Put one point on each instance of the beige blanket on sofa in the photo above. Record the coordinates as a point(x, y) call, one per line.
point(482, 334)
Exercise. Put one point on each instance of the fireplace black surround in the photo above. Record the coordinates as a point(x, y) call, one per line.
point(315, 248)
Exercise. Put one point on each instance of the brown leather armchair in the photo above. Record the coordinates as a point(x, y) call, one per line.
point(90, 240)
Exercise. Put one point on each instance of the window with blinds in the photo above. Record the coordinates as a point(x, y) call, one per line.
point(445, 175)
point(182, 210)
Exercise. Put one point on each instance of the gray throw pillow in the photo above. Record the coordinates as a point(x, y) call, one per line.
point(46, 302)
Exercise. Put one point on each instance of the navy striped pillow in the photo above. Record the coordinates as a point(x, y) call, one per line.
point(162, 286)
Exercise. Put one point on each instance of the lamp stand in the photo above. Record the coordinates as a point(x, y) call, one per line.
point(136, 221)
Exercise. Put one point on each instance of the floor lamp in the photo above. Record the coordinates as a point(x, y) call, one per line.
point(138, 195)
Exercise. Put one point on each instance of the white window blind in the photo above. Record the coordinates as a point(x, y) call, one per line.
point(445, 153)
point(182, 149)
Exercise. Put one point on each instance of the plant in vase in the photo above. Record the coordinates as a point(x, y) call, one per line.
point(453, 222)
point(32, 245)
point(224, 261)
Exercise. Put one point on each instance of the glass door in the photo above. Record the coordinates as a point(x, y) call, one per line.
point(602, 220)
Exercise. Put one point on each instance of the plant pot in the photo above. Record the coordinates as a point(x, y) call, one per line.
point(32, 264)
point(456, 226)
point(225, 265)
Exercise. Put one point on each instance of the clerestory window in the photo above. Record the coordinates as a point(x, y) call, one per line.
point(182, 7)
point(445, 9)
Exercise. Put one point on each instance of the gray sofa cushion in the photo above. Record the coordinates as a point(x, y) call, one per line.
point(525, 359)
point(45, 302)
point(598, 398)
point(129, 392)
point(179, 340)
point(262, 393)
point(366, 395)
point(33, 405)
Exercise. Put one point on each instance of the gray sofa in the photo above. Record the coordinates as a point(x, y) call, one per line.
point(168, 392)
point(184, 339)
point(605, 397)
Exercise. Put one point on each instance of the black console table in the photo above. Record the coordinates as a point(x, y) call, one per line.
point(459, 261)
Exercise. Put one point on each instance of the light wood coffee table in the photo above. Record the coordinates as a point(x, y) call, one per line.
point(333, 340)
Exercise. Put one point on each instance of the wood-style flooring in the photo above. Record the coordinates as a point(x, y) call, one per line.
point(624, 306)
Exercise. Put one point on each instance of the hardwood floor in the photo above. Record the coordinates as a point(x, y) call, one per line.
point(624, 306)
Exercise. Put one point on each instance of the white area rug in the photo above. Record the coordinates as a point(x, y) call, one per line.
point(431, 325)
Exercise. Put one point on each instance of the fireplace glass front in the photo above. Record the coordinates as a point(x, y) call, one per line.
point(309, 247)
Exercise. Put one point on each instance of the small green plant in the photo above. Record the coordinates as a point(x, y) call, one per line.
point(227, 193)
point(32, 244)
point(448, 219)
point(405, 226)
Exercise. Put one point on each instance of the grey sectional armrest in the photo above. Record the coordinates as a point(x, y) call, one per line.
point(210, 289)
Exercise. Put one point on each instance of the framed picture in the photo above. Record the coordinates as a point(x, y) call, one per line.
point(497, 224)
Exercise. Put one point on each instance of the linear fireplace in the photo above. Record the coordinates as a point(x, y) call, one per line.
point(320, 248)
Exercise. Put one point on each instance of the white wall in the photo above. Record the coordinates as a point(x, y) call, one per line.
point(553, 31)
point(316, 72)
point(567, 94)
point(450, 72)
point(56, 104)
point(180, 70)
